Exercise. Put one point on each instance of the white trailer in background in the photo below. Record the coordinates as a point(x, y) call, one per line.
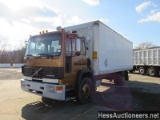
point(147, 61)
point(5, 65)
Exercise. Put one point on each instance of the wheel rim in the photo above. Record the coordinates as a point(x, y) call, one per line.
point(85, 91)
point(151, 72)
point(141, 71)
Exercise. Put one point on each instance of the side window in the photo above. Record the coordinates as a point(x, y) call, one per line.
point(83, 48)
point(73, 47)
point(78, 44)
point(80, 48)
point(70, 47)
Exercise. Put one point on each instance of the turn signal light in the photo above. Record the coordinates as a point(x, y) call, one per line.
point(60, 81)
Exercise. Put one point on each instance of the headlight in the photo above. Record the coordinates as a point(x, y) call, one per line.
point(51, 88)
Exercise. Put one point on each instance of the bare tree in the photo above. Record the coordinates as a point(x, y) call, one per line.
point(144, 45)
point(18, 55)
point(11, 56)
point(3, 52)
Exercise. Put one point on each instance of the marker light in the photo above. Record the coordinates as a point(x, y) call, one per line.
point(59, 89)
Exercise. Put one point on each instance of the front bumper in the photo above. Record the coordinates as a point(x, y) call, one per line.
point(47, 90)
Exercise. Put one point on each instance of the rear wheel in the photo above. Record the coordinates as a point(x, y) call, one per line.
point(152, 71)
point(142, 70)
point(85, 91)
point(119, 78)
point(126, 75)
point(131, 71)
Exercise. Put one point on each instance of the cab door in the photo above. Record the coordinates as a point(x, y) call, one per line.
point(70, 48)
point(75, 59)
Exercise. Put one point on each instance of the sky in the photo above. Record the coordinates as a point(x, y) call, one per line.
point(137, 20)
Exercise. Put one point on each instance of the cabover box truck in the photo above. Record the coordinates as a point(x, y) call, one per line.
point(147, 61)
point(70, 62)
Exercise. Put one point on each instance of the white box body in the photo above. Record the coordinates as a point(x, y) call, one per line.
point(114, 52)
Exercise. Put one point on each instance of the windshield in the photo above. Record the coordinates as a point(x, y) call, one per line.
point(45, 45)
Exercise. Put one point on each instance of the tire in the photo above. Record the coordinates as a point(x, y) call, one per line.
point(153, 72)
point(88, 63)
point(85, 91)
point(142, 70)
point(119, 78)
point(126, 75)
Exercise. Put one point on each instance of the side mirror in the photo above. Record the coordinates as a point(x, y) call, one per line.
point(77, 53)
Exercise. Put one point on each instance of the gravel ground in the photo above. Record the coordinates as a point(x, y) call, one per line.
point(143, 101)
point(145, 91)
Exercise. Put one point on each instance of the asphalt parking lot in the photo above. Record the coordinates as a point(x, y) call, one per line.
point(16, 104)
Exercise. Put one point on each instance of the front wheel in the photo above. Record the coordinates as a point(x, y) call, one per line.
point(84, 91)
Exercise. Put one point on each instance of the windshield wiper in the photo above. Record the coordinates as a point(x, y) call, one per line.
point(44, 54)
point(28, 56)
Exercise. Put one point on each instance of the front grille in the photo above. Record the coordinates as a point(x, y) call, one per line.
point(43, 72)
